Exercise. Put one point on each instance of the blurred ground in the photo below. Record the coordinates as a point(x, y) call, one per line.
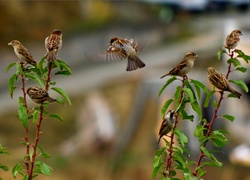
point(77, 145)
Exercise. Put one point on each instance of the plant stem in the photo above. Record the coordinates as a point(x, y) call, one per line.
point(170, 149)
point(27, 160)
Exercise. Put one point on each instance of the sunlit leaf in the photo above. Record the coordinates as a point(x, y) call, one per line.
point(235, 62)
point(220, 53)
point(190, 94)
point(181, 135)
point(22, 112)
point(166, 84)
point(201, 85)
point(4, 167)
point(241, 84)
point(11, 84)
point(62, 93)
point(241, 69)
point(56, 116)
point(228, 117)
point(17, 168)
point(190, 88)
point(35, 116)
point(10, 66)
point(35, 78)
point(44, 168)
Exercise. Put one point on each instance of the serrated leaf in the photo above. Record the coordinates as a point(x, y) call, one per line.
point(165, 107)
point(17, 168)
point(35, 78)
point(166, 84)
point(11, 84)
point(228, 117)
point(241, 69)
point(62, 93)
point(56, 116)
point(220, 53)
point(10, 66)
point(235, 62)
point(22, 112)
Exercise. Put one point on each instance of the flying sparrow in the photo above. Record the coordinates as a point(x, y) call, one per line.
point(39, 95)
point(53, 44)
point(22, 53)
point(233, 39)
point(125, 48)
point(184, 66)
point(167, 124)
point(220, 82)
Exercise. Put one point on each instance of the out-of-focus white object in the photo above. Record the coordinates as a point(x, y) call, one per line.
point(241, 155)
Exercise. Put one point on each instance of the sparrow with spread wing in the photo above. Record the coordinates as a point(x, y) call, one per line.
point(219, 81)
point(39, 95)
point(22, 53)
point(184, 66)
point(167, 124)
point(53, 44)
point(125, 48)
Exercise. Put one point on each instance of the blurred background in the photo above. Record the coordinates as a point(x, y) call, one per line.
point(110, 131)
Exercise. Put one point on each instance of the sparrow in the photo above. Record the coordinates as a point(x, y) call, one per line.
point(233, 39)
point(39, 95)
point(125, 48)
point(53, 44)
point(22, 53)
point(219, 81)
point(184, 66)
point(167, 124)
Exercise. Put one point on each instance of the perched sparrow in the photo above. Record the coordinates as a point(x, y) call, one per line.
point(125, 48)
point(39, 95)
point(167, 124)
point(220, 82)
point(184, 66)
point(53, 44)
point(233, 39)
point(22, 53)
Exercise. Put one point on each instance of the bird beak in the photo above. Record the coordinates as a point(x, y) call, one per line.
point(9, 43)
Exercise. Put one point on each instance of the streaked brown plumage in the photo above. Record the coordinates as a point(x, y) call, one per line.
point(220, 82)
point(53, 44)
point(22, 53)
point(39, 95)
point(167, 124)
point(125, 48)
point(233, 39)
point(184, 66)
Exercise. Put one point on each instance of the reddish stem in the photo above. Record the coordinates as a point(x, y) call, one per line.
point(170, 149)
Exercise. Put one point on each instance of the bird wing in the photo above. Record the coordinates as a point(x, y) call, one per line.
point(25, 53)
point(53, 42)
point(115, 53)
point(135, 44)
point(178, 68)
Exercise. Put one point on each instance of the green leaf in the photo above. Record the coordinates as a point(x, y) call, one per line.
point(66, 73)
point(242, 55)
point(177, 95)
point(235, 62)
point(35, 78)
point(44, 168)
point(218, 138)
point(201, 85)
point(220, 53)
point(190, 94)
point(4, 167)
point(60, 101)
point(228, 117)
point(11, 84)
point(62, 93)
point(22, 112)
point(190, 88)
point(197, 109)
point(166, 84)
point(241, 84)
point(184, 116)
point(182, 136)
point(165, 107)
point(241, 69)
point(65, 69)
point(56, 116)
point(44, 154)
point(40, 67)
point(208, 97)
point(35, 116)
point(10, 66)
point(17, 169)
